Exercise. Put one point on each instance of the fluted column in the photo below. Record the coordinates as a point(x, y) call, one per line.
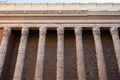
point(99, 54)
point(79, 54)
point(40, 54)
point(60, 53)
point(21, 54)
point(3, 46)
point(116, 43)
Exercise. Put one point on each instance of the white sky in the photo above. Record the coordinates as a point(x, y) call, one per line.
point(61, 1)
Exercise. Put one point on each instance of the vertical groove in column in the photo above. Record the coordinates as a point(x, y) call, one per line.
point(40, 54)
point(21, 54)
point(116, 42)
point(3, 46)
point(60, 54)
point(99, 54)
point(79, 54)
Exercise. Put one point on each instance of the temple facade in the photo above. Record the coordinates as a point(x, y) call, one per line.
point(60, 41)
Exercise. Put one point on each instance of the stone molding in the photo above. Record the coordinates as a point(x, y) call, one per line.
point(62, 6)
point(60, 21)
point(19, 26)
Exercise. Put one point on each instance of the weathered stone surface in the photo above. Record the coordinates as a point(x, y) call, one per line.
point(60, 54)
point(116, 42)
point(84, 56)
point(79, 54)
point(40, 54)
point(21, 54)
point(3, 46)
point(99, 54)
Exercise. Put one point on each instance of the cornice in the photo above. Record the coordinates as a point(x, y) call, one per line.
point(61, 6)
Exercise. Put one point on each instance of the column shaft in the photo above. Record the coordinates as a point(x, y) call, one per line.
point(99, 54)
point(40, 54)
point(60, 54)
point(116, 43)
point(3, 46)
point(79, 54)
point(21, 54)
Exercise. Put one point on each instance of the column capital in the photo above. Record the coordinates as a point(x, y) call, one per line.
point(43, 30)
point(78, 30)
point(96, 30)
point(25, 30)
point(60, 31)
point(7, 31)
point(114, 30)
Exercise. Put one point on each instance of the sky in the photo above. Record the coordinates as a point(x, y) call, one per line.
point(61, 1)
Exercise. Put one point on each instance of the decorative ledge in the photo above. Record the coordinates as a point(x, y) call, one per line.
point(62, 6)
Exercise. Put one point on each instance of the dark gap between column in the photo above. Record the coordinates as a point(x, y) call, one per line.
point(70, 61)
point(30, 55)
point(50, 59)
point(11, 56)
point(90, 59)
point(110, 57)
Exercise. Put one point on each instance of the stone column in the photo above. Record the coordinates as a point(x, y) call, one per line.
point(79, 54)
point(116, 43)
point(99, 54)
point(60, 54)
point(21, 54)
point(40, 54)
point(3, 46)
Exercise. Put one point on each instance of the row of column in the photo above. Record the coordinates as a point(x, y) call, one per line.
point(60, 52)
